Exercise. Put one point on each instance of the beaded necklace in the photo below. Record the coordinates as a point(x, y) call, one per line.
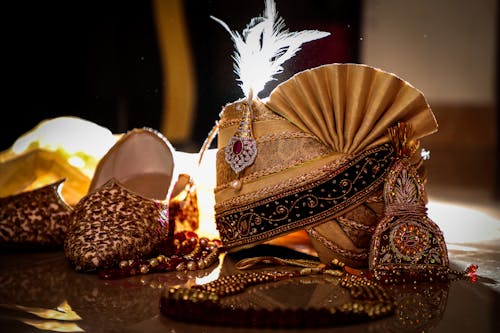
point(184, 252)
point(213, 303)
point(208, 304)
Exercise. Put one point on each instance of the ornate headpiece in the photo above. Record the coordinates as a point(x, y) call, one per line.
point(314, 155)
point(333, 151)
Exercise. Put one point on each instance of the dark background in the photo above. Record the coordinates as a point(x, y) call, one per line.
point(100, 60)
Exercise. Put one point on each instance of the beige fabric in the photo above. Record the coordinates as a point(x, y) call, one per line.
point(273, 152)
point(349, 107)
point(40, 167)
point(347, 237)
point(142, 161)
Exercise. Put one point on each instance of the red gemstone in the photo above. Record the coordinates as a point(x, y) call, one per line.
point(237, 147)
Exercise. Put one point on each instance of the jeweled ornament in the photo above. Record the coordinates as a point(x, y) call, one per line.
point(242, 148)
point(407, 245)
point(409, 240)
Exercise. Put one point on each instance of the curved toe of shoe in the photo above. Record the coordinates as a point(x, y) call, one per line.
point(34, 219)
point(125, 214)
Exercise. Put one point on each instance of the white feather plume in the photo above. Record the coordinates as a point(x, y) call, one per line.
point(263, 47)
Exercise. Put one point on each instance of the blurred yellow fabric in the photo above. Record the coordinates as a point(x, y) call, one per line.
point(62, 147)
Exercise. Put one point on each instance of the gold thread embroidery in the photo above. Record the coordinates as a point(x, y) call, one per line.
point(265, 172)
point(286, 184)
point(253, 222)
point(286, 135)
point(351, 224)
point(257, 117)
point(275, 157)
point(335, 248)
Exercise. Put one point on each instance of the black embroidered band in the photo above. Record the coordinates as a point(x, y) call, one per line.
point(305, 206)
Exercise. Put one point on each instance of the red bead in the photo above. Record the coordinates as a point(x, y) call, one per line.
point(180, 236)
point(472, 268)
point(191, 234)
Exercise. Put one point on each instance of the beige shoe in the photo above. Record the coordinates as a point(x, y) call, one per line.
point(125, 214)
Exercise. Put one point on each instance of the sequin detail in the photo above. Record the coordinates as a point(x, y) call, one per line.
point(302, 206)
point(406, 243)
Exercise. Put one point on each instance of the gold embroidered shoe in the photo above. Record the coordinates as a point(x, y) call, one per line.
point(37, 218)
point(125, 214)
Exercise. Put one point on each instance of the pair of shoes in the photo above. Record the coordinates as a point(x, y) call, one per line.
point(125, 214)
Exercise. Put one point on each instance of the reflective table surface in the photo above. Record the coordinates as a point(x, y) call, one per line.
point(41, 293)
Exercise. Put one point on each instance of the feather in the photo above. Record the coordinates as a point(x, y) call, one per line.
point(263, 47)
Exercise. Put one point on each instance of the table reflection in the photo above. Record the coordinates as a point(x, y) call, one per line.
point(45, 282)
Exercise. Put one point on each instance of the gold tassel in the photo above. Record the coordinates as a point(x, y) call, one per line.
point(400, 137)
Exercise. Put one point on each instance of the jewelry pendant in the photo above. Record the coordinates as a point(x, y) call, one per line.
point(242, 148)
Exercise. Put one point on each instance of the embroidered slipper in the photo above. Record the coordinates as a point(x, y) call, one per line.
point(34, 219)
point(125, 214)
